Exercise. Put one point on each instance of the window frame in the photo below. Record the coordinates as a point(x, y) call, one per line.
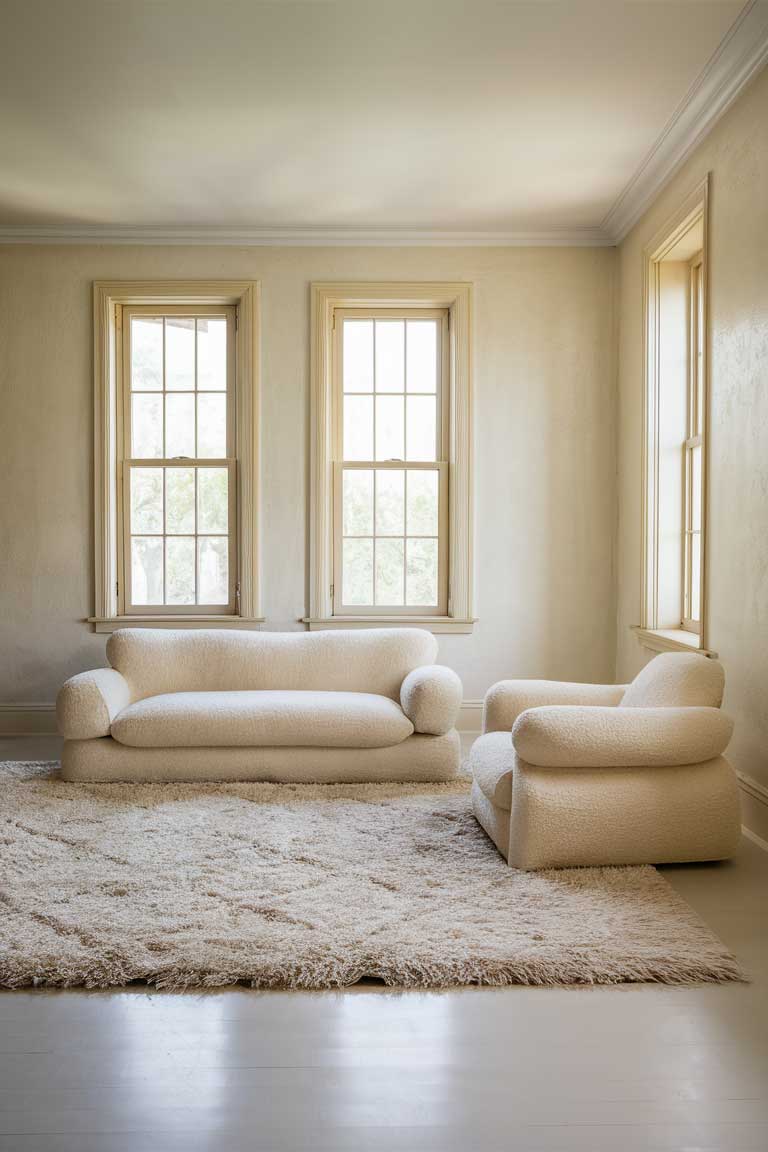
point(329, 301)
point(651, 632)
point(112, 607)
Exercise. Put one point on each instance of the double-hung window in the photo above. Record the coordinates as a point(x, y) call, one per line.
point(391, 466)
point(692, 450)
point(391, 507)
point(179, 480)
point(176, 411)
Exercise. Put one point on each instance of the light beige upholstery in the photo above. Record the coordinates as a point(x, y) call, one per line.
point(207, 660)
point(676, 680)
point(585, 778)
point(417, 758)
point(431, 698)
point(89, 702)
point(505, 701)
point(262, 719)
point(571, 737)
point(366, 704)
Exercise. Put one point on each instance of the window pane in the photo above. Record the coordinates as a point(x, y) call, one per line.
point(147, 570)
point(358, 356)
point(696, 577)
point(146, 426)
point(213, 570)
point(390, 500)
point(389, 572)
point(389, 428)
point(180, 425)
point(357, 499)
point(358, 427)
point(180, 500)
point(146, 499)
point(357, 571)
point(390, 355)
point(422, 503)
point(179, 353)
point(422, 428)
point(421, 573)
point(696, 488)
point(212, 355)
point(212, 425)
point(146, 354)
point(180, 569)
point(212, 499)
point(421, 355)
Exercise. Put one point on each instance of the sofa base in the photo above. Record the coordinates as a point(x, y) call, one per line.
point(419, 758)
point(589, 817)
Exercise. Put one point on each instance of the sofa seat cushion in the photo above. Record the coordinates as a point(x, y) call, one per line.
point(492, 761)
point(262, 719)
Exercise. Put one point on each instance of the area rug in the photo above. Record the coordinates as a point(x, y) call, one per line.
point(311, 886)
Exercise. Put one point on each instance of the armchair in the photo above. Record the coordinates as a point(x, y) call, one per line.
point(572, 775)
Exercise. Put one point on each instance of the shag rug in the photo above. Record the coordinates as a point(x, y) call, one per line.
point(311, 886)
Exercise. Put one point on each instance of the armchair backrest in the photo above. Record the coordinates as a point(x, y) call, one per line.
point(677, 680)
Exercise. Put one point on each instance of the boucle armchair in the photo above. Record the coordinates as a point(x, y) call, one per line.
point(295, 706)
point(588, 774)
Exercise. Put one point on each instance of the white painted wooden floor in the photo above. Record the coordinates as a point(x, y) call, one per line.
point(600, 1070)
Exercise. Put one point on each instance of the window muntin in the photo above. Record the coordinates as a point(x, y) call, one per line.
point(178, 472)
point(693, 455)
point(391, 470)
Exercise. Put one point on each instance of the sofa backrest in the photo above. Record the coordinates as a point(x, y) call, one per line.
point(677, 680)
point(209, 660)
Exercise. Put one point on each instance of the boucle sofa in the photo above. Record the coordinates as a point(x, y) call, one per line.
point(591, 774)
point(226, 705)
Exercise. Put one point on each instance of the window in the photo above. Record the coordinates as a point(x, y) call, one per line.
point(391, 475)
point(390, 532)
point(675, 449)
point(692, 450)
point(176, 454)
point(178, 515)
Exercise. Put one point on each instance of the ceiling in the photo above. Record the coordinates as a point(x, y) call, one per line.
point(496, 118)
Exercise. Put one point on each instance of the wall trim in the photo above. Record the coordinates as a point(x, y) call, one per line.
point(470, 716)
point(27, 719)
point(737, 59)
point(301, 237)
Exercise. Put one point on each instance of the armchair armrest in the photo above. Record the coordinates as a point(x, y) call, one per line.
point(505, 701)
point(573, 737)
point(431, 697)
point(88, 703)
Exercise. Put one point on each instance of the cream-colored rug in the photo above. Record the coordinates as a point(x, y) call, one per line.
point(310, 886)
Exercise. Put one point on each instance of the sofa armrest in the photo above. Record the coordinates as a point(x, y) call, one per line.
point(88, 703)
point(574, 737)
point(505, 701)
point(431, 697)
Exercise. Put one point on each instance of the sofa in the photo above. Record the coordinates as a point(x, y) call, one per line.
point(348, 705)
point(590, 774)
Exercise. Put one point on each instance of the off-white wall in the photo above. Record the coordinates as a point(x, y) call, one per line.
point(736, 154)
point(544, 443)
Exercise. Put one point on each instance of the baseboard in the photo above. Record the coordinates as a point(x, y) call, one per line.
point(754, 803)
point(27, 719)
point(470, 716)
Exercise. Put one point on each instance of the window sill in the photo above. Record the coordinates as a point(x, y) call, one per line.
point(112, 623)
point(670, 640)
point(436, 624)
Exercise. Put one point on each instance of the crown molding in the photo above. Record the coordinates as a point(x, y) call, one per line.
point(741, 54)
point(296, 237)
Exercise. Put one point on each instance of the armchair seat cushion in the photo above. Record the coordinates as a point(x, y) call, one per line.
point(492, 759)
point(262, 719)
